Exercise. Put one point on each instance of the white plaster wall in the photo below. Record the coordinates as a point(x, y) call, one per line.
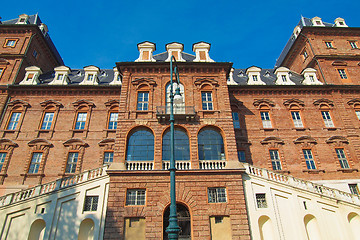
point(63, 212)
point(286, 210)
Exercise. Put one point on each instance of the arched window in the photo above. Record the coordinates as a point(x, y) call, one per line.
point(184, 221)
point(312, 228)
point(210, 145)
point(37, 230)
point(182, 150)
point(140, 145)
point(86, 230)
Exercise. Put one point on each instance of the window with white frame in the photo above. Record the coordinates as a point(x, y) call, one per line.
point(327, 119)
point(354, 189)
point(2, 159)
point(265, 118)
point(342, 158)
point(108, 157)
point(309, 159)
point(207, 101)
point(261, 200)
point(143, 101)
point(283, 77)
point(113, 118)
point(71, 162)
point(342, 74)
point(255, 78)
point(217, 195)
point(90, 77)
point(80, 120)
point(296, 117)
point(47, 120)
point(60, 77)
point(235, 117)
point(275, 159)
point(353, 44)
point(35, 162)
point(91, 203)
point(135, 197)
point(14, 120)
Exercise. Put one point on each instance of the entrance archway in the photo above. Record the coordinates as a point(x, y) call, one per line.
point(184, 222)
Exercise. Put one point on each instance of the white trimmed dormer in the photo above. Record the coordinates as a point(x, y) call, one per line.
point(146, 50)
point(297, 31)
point(282, 76)
point(231, 80)
point(61, 76)
point(175, 49)
point(43, 28)
point(117, 78)
point(91, 76)
point(201, 50)
point(254, 76)
point(317, 22)
point(340, 22)
point(23, 19)
point(310, 77)
point(31, 76)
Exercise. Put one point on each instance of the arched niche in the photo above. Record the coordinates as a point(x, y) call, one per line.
point(37, 230)
point(312, 228)
point(266, 228)
point(86, 230)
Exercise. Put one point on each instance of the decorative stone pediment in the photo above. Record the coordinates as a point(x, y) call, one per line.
point(19, 103)
point(107, 141)
point(5, 144)
point(324, 101)
point(51, 103)
point(199, 83)
point(263, 101)
point(112, 102)
point(75, 143)
point(141, 81)
point(338, 140)
point(353, 102)
point(83, 102)
point(273, 142)
point(39, 142)
point(305, 139)
point(294, 102)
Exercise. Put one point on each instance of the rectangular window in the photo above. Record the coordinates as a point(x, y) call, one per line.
point(329, 44)
point(297, 119)
point(143, 101)
point(47, 121)
point(113, 118)
point(261, 200)
point(275, 159)
point(283, 77)
point(90, 77)
point(241, 156)
point(311, 78)
point(310, 163)
point(353, 44)
point(305, 54)
point(108, 157)
point(71, 162)
point(206, 98)
point(35, 54)
point(10, 42)
point(217, 195)
point(327, 119)
point(342, 74)
point(35, 162)
point(255, 78)
point(14, 120)
point(265, 118)
point(342, 158)
point(80, 120)
point(1, 71)
point(29, 77)
point(2, 159)
point(91, 203)
point(60, 77)
point(354, 189)
point(135, 197)
point(236, 122)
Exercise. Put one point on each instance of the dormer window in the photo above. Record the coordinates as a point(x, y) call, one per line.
point(31, 76)
point(283, 77)
point(255, 78)
point(201, 50)
point(117, 77)
point(316, 21)
point(90, 77)
point(175, 49)
point(146, 50)
point(340, 22)
point(23, 19)
point(60, 77)
point(310, 77)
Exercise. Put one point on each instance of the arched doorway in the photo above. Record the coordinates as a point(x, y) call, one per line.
point(184, 222)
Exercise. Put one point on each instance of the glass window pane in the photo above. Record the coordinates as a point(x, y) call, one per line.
point(210, 145)
point(140, 146)
point(182, 149)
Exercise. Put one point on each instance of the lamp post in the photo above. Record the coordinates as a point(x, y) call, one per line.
point(173, 229)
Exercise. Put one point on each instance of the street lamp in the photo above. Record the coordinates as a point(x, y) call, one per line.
point(173, 229)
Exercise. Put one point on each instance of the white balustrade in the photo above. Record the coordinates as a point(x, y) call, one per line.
point(139, 165)
point(180, 165)
point(212, 164)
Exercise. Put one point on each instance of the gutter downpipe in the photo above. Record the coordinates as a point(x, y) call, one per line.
point(312, 50)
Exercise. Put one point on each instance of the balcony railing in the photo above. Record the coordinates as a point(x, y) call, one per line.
point(212, 164)
point(180, 165)
point(302, 184)
point(139, 165)
point(53, 186)
point(180, 112)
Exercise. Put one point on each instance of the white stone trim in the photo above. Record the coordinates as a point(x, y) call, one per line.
point(310, 77)
point(91, 70)
point(340, 22)
point(58, 71)
point(175, 47)
point(317, 22)
point(117, 78)
point(254, 72)
point(280, 72)
point(202, 47)
point(36, 71)
point(231, 80)
point(146, 47)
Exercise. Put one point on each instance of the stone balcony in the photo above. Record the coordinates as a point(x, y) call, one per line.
point(180, 112)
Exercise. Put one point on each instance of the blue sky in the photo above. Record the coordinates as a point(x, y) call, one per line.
point(245, 33)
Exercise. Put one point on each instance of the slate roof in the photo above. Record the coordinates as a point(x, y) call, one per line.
point(77, 75)
point(35, 20)
point(161, 57)
point(304, 22)
point(267, 76)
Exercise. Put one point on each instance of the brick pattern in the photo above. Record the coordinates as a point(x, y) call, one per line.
point(191, 191)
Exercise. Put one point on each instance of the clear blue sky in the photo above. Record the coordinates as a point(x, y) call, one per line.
point(243, 32)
